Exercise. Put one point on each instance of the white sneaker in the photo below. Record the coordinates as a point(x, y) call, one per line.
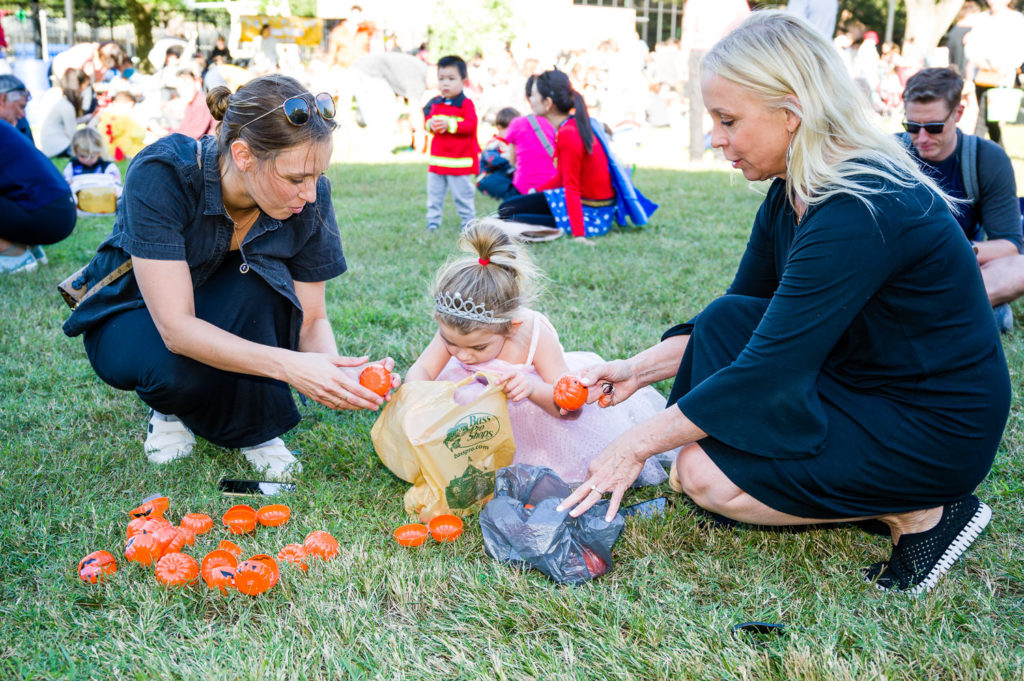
point(168, 440)
point(273, 459)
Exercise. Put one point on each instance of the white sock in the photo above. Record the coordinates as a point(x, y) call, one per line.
point(164, 417)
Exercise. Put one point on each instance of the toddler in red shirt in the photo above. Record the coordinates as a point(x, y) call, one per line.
point(454, 149)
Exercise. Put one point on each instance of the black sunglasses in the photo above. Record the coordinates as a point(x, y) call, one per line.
point(297, 109)
point(934, 128)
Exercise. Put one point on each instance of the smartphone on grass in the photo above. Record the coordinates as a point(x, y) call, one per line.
point(646, 509)
point(245, 488)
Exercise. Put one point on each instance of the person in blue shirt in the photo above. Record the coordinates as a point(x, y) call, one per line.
point(989, 212)
point(36, 203)
point(852, 371)
point(13, 98)
point(218, 264)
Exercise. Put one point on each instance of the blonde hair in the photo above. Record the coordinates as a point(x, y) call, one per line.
point(87, 142)
point(777, 56)
point(506, 282)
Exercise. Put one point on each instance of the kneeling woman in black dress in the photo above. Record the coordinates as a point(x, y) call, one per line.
point(853, 369)
point(224, 247)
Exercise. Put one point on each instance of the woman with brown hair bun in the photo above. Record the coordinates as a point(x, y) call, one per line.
point(227, 242)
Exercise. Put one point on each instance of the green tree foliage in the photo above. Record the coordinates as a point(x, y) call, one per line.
point(873, 15)
point(468, 27)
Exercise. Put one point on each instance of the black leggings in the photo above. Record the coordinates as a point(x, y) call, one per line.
point(228, 409)
point(984, 125)
point(529, 208)
point(47, 225)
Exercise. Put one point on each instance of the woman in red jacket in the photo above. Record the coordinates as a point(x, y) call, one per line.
point(579, 198)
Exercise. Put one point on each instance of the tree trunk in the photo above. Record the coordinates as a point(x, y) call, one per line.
point(142, 19)
point(927, 22)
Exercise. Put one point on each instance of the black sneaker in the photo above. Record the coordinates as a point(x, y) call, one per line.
point(920, 560)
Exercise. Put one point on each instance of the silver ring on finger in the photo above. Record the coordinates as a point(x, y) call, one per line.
point(593, 488)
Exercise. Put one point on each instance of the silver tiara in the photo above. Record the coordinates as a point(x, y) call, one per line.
point(454, 305)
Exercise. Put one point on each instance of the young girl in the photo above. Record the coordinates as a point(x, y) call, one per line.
point(485, 324)
point(87, 157)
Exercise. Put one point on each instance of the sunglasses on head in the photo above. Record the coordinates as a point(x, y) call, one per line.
point(297, 109)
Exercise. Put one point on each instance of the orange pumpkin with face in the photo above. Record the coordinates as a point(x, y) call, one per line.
point(569, 393)
point(96, 566)
point(376, 378)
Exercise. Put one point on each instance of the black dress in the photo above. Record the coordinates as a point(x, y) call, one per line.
point(853, 368)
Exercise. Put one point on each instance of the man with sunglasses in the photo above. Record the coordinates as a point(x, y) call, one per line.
point(974, 170)
point(13, 98)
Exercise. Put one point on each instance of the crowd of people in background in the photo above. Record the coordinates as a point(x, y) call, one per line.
point(381, 87)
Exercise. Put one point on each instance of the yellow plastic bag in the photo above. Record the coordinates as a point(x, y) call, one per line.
point(448, 451)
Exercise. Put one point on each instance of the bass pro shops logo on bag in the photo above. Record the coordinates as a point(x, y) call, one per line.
point(470, 433)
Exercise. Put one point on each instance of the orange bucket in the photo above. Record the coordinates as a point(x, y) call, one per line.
point(446, 528)
point(274, 515)
point(240, 519)
point(411, 535)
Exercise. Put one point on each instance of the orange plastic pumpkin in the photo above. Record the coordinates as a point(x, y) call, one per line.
point(252, 577)
point(142, 549)
point(231, 547)
point(190, 537)
point(294, 554)
point(605, 400)
point(274, 515)
point(199, 523)
point(96, 566)
point(146, 525)
point(270, 563)
point(376, 378)
point(413, 534)
point(153, 507)
point(322, 544)
point(135, 527)
point(221, 577)
point(215, 559)
point(240, 519)
point(177, 569)
point(569, 393)
point(445, 528)
point(169, 539)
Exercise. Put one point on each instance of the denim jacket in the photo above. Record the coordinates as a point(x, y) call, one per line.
point(172, 209)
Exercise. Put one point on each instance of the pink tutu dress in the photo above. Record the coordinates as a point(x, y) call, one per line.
point(565, 445)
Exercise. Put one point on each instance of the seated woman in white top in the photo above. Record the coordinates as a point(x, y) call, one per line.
point(61, 107)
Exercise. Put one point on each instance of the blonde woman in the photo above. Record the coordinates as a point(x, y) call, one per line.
point(852, 371)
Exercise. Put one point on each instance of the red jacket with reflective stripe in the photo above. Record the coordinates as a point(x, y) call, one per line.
point(455, 151)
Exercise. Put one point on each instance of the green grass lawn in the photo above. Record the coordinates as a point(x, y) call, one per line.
point(71, 465)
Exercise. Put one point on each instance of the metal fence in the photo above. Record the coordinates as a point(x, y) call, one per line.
point(656, 20)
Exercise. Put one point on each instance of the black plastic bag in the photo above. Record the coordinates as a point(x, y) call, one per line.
point(520, 526)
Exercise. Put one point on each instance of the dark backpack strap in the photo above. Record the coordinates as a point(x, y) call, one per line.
point(540, 135)
point(969, 167)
